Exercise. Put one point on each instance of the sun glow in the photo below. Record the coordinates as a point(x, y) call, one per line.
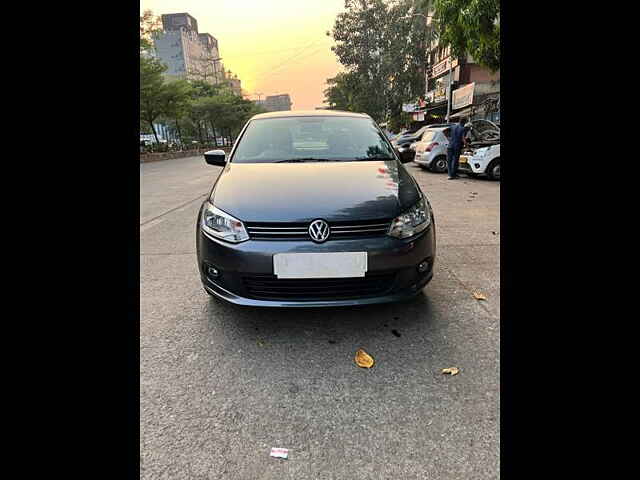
point(274, 46)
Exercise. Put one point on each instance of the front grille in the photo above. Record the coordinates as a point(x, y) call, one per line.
point(269, 287)
point(299, 231)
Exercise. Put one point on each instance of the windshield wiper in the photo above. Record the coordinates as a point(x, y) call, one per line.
point(376, 157)
point(301, 160)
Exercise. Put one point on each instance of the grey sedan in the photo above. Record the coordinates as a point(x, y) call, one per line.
point(314, 208)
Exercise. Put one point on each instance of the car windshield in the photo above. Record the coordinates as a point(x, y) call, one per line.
point(313, 138)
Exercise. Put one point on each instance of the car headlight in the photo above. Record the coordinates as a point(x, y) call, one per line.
point(481, 152)
point(221, 225)
point(411, 222)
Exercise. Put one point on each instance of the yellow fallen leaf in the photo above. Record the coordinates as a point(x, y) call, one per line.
point(479, 296)
point(452, 370)
point(363, 359)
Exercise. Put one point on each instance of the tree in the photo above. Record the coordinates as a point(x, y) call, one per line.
point(470, 27)
point(344, 93)
point(152, 91)
point(177, 102)
point(149, 25)
point(384, 54)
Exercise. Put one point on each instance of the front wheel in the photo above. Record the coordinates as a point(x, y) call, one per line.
point(493, 170)
point(439, 164)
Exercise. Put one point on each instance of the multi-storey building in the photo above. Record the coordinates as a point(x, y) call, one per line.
point(187, 53)
point(234, 83)
point(274, 103)
point(475, 89)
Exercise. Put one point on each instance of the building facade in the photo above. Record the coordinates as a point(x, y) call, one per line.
point(275, 103)
point(186, 52)
point(475, 90)
point(234, 83)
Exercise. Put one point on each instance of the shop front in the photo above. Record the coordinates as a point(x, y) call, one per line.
point(476, 103)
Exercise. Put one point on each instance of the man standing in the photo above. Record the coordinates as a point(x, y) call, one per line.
point(456, 142)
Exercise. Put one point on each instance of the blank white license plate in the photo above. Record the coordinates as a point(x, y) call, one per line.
point(320, 265)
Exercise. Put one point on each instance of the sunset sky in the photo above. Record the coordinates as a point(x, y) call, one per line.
point(274, 46)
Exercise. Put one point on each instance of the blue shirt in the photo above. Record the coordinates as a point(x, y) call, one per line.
point(457, 136)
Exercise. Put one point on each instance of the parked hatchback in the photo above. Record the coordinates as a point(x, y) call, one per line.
point(431, 151)
point(314, 209)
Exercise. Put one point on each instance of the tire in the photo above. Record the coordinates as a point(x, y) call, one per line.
point(493, 170)
point(439, 164)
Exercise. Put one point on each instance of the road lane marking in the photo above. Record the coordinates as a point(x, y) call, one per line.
point(150, 224)
point(174, 209)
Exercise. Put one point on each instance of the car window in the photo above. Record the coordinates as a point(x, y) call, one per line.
point(447, 133)
point(429, 135)
point(316, 137)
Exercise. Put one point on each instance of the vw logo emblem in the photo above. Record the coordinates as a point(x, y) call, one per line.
point(319, 231)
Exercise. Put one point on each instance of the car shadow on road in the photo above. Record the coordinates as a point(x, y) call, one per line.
point(331, 325)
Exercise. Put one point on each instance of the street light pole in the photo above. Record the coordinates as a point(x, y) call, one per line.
point(449, 98)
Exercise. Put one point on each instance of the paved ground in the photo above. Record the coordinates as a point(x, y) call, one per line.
point(220, 385)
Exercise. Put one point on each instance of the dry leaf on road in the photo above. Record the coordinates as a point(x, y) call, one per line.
point(479, 296)
point(451, 370)
point(363, 359)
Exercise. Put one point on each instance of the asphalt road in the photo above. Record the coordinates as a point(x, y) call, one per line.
point(220, 384)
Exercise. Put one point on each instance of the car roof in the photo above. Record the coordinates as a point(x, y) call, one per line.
point(308, 113)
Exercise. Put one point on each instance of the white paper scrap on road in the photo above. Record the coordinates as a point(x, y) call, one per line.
point(280, 452)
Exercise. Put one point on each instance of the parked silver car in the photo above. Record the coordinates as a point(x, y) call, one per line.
point(431, 150)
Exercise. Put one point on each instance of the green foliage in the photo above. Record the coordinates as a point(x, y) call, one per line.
point(152, 91)
point(149, 24)
point(470, 27)
point(344, 93)
point(384, 54)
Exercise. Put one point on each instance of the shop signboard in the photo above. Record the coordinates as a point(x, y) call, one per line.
point(440, 94)
point(443, 66)
point(409, 107)
point(463, 97)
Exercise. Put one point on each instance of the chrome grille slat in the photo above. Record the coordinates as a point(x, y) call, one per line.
point(299, 231)
point(359, 226)
point(358, 231)
point(277, 228)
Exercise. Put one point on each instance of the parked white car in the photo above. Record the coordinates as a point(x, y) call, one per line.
point(484, 138)
point(431, 150)
point(482, 161)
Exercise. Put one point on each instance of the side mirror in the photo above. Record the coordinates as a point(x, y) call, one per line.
point(215, 157)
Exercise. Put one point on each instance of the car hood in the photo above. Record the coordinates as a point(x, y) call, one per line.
point(301, 192)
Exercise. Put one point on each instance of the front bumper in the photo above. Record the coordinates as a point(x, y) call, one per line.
point(474, 164)
point(389, 258)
